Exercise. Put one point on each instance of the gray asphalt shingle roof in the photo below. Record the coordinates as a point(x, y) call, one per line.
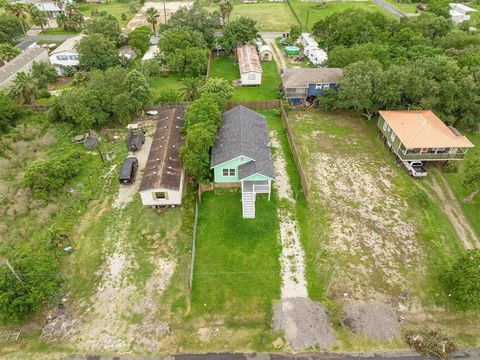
point(244, 133)
point(301, 77)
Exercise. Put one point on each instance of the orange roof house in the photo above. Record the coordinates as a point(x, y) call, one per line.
point(249, 64)
point(421, 135)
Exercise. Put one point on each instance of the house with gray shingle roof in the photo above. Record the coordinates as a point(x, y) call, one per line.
point(242, 155)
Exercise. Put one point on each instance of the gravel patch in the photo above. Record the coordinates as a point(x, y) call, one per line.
point(305, 323)
point(373, 319)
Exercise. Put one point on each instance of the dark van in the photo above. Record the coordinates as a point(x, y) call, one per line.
point(129, 170)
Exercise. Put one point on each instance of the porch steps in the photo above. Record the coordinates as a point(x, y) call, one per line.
point(248, 205)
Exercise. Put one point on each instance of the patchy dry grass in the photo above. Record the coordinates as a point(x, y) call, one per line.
point(371, 234)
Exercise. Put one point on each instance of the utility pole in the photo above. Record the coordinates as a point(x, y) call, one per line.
point(164, 11)
point(308, 15)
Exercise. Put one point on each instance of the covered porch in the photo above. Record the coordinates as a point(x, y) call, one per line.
point(250, 189)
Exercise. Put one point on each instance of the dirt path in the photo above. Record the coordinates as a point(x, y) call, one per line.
point(279, 59)
point(292, 259)
point(453, 210)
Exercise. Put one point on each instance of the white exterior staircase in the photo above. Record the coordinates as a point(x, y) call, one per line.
point(248, 205)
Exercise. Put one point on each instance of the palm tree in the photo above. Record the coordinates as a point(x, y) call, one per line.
point(18, 10)
point(7, 52)
point(152, 15)
point(226, 8)
point(38, 17)
point(190, 90)
point(24, 89)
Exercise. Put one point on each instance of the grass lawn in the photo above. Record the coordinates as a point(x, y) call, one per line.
point(113, 8)
point(318, 12)
point(349, 172)
point(269, 16)
point(471, 209)
point(237, 269)
point(170, 81)
point(58, 31)
point(407, 8)
point(224, 67)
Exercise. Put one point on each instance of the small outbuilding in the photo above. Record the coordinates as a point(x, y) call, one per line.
point(163, 178)
point(249, 64)
point(266, 53)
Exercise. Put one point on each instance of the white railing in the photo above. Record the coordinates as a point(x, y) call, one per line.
point(261, 189)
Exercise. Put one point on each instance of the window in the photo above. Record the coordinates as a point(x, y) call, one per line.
point(385, 125)
point(62, 57)
point(160, 195)
point(73, 57)
point(251, 76)
point(326, 86)
point(393, 136)
point(423, 150)
point(318, 86)
point(228, 172)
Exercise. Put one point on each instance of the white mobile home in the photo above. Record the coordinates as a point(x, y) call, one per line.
point(249, 64)
point(163, 179)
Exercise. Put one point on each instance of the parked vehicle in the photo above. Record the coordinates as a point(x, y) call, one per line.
point(135, 137)
point(421, 7)
point(129, 170)
point(415, 168)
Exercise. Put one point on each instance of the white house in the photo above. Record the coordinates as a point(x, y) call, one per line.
point(316, 55)
point(22, 62)
point(306, 39)
point(249, 64)
point(49, 8)
point(163, 179)
point(459, 12)
point(66, 55)
point(151, 53)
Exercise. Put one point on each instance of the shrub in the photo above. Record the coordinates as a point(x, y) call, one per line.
point(450, 168)
point(43, 177)
point(431, 343)
point(167, 96)
point(462, 281)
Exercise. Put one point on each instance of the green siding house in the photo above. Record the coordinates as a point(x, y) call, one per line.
point(419, 135)
point(242, 156)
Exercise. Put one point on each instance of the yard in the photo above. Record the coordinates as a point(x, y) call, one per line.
point(115, 8)
point(269, 16)
point(405, 7)
point(224, 67)
point(310, 12)
point(166, 82)
point(369, 233)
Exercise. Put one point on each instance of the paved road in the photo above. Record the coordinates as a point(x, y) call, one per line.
point(49, 37)
point(383, 4)
point(467, 354)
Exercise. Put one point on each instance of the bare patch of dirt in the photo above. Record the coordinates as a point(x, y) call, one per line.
point(373, 319)
point(139, 18)
point(305, 323)
point(453, 210)
point(126, 193)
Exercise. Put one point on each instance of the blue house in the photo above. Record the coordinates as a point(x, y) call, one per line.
point(300, 84)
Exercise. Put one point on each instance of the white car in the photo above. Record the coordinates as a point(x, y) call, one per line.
point(415, 168)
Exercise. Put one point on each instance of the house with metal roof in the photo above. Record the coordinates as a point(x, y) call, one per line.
point(421, 136)
point(163, 178)
point(249, 64)
point(21, 63)
point(242, 156)
point(460, 12)
point(300, 84)
point(66, 55)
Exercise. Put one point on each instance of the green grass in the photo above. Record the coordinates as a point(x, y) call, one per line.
point(224, 67)
point(269, 16)
point(471, 209)
point(113, 8)
point(237, 270)
point(58, 31)
point(406, 8)
point(170, 81)
point(318, 12)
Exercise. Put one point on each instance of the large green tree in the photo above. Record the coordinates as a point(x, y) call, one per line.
point(220, 89)
point(11, 28)
point(191, 88)
point(44, 74)
point(97, 52)
point(24, 88)
point(106, 25)
point(152, 18)
point(139, 39)
point(239, 31)
point(471, 175)
point(10, 112)
point(8, 52)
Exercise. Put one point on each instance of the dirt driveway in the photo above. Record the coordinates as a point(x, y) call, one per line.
point(170, 7)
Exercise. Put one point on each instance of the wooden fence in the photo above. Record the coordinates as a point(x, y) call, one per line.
point(255, 105)
point(194, 239)
point(296, 156)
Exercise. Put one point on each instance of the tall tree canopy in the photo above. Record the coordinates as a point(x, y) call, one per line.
point(97, 52)
point(242, 30)
point(11, 28)
point(106, 25)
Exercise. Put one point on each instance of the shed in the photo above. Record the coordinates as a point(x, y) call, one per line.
point(163, 179)
point(249, 64)
point(266, 53)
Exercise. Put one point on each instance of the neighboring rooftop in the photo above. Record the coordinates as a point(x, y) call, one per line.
point(248, 59)
point(423, 129)
point(164, 167)
point(11, 67)
point(154, 40)
point(263, 48)
point(25, 44)
point(461, 8)
point(301, 77)
point(152, 51)
point(244, 133)
point(68, 45)
point(48, 6)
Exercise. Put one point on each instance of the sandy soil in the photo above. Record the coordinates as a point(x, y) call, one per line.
point(277, 54)
point(170, 7)
point(453, 210)
point(292, 259)
point(126, 193)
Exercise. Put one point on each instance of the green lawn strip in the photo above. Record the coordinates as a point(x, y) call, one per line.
point(224, 67)
point(407, 8)
point(116, 9)
point(319, 12)
point(237, 269)
point(170, 81)
point(269, 16)
point(58, 31)
point(471, 209)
